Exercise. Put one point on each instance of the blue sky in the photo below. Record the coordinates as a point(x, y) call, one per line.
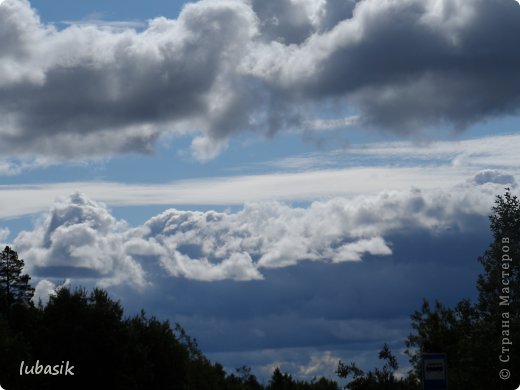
point(287, 179)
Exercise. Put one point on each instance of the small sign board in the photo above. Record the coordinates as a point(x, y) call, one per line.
point(434, 371)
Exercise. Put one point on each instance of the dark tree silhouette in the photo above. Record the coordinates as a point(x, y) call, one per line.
point(243, 379)
point(474, 335)
point(281, 381)
point(501, 261)
point(111, 352)
point(439, 328)
point(499, 296)
point(284, 381)
point(378, 378)
point(14, 286)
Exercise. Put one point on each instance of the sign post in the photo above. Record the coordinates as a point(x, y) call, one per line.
point(434, 371)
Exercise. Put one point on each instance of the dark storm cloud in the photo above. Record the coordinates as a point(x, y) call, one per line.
point(458, 75)
point(91, 90)
point(334, 11)
point(407, 65)
point(285, 21)
point(494, 176)
point(230, 66)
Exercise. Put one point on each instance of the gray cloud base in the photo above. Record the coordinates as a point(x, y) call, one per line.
point(226, 67)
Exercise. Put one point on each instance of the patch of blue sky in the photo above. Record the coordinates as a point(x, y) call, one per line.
point(16, 225)
point(509, 124)
point(56, 11)
point(169, 162)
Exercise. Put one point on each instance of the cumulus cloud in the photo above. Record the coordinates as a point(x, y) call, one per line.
point(80, 238)
point(224, 67)
point(213, 246)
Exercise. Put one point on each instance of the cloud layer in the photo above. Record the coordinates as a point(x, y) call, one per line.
point(224, 67)
point(79, 238)
point(361, 170)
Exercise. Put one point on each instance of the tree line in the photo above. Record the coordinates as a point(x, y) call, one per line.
point(110, 351)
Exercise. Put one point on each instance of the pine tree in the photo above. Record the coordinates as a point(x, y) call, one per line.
point(14, 286)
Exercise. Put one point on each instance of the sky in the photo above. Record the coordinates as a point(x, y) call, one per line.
point(286, 179)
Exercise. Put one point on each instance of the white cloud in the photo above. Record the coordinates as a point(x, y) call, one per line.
point(326, 124)
point(43, 290)
point(80, 238)
point(238, 266)
point(305, 186)
point(204, 148)
point(320, 363)
point(489, 151)
point(354, 251)
point(481, 153)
